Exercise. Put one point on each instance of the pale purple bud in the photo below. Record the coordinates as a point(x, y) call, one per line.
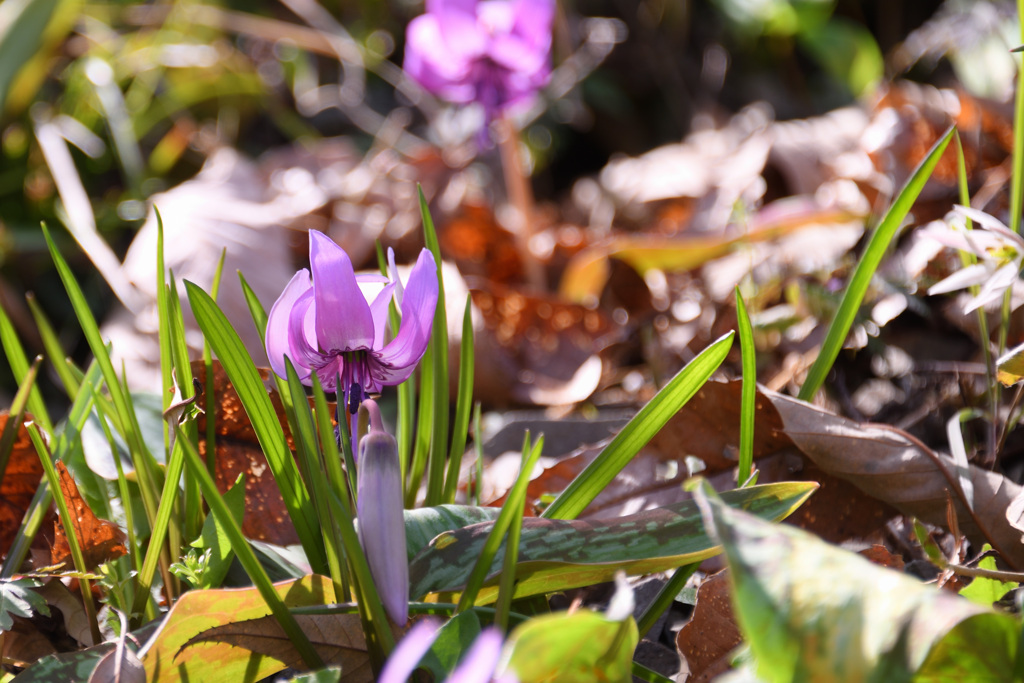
point(381, 520)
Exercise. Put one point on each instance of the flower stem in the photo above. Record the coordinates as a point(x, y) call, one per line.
point(520, 195)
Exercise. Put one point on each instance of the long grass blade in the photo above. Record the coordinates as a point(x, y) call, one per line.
point(246, 379)
point(463, 405)
point(52, 347)
point(749, 392)
point(638, 431)
point(858, 285)
point(15, 353)
point(506, 584)
point(439, 357)
point(513, 507)
point(245, 554)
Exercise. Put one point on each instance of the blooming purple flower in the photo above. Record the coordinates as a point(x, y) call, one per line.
point(477, 666)
point(381, 520)
point(326, 326)
point(495, 52)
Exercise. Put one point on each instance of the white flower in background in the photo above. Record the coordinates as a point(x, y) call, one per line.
point(998, 249)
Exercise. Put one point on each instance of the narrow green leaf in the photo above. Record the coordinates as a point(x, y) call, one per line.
point(52, 347)
point(557, 554)
point(749, 392)
point(1017, 174)
point(485, 559)
point(463, 404)
point(15, 353)
point(246, 379)
point(439, 357)
point(245, 553)
point(638, 431)
point(866, 267)
point(148, 475)
point(516, 503)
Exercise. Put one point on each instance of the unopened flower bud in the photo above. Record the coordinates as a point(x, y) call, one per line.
point(381, 520)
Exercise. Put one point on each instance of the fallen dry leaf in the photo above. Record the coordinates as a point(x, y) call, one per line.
point(100, 540)
point(707, 640)
point(888, 465)
point(20, 480)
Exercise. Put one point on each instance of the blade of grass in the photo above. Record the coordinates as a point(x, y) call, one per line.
point(513, 507)
point(18, 361)
point(424, 428)
point(638, 431)
point(749, 392)
point(869, 261)
point(663, 600)
point(478, 447)
point(463, 403)
point(439, 358)
point(304, 435)
point(52, 347)
point(146, 468)
point(336, 480)
point(245, 554)
point(210, 397)
point(1017, 175)
point(506, 585)
point(247, 382)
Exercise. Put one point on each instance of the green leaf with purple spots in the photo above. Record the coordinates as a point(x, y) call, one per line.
point(557, 554)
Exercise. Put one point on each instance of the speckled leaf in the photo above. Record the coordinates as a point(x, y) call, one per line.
point(423, 524)
point(813, 612)
point(562, 554)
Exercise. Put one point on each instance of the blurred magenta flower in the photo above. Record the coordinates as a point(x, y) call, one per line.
point(381, 521)
point(477, 666)
point(325, 325)
point(495, 52)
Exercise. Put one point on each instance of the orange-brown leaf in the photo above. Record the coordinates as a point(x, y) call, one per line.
point(100, 540)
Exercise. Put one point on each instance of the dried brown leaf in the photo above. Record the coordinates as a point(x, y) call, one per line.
point(891, 466)
point(708, 639)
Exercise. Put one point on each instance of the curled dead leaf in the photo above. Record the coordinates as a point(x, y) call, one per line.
point(100, 540)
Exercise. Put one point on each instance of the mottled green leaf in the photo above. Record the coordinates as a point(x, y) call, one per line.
point(813, 612)
point(561, 554)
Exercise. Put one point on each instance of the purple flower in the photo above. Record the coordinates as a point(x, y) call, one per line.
point(495, 52)
point(381, 520)
point(326, 326)
point(477, 666)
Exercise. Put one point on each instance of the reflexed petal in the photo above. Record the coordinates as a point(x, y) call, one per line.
point(382, 523)
point(969, 276)
point(430, 63)
point(410, 651)
point(995, 286)
point(478, 664)
point(533, 21)
point(279, 323)
point(343, 319)
point(379, 310)
point(418, 305)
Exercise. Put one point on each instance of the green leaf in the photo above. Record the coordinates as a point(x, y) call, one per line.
point(247, 382)
point(560, 554)
point(22, 23)
point(983, 590)
point(215, 537)
point(453, 640)
point(17, 598)
point(979, 648)
point(749, 391)
point(423, 524)
point(866, 267)
point(638, 431)
point(812, 611)
point(583, 646)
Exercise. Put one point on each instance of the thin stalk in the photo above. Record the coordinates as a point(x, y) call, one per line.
point(520, 195)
